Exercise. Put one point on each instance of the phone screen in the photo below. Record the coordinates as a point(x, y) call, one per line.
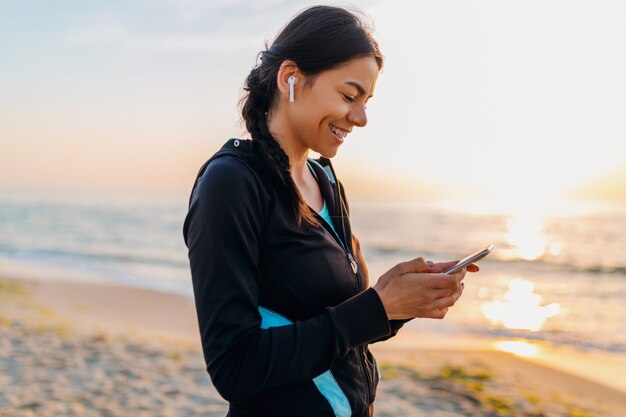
point(474, 257)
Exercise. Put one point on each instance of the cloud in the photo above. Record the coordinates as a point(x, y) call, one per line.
point(214, 43)
point(116, 35)
point(174, 42)
point(185, 25)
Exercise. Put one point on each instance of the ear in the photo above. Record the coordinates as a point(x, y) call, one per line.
point(286, 70)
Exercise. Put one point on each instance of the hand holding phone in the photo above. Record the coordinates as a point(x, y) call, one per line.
point(474, 257)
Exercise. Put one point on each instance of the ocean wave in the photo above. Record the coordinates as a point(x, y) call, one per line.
point(554, 337)
point(374, 251)
point(49, 253)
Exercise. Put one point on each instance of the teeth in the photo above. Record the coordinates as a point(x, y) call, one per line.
point(339, 132)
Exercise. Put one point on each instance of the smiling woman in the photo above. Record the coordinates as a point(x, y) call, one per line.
point(308, 93)
point(280, 283)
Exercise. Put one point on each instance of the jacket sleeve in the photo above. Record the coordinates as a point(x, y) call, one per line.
point(222, 231)
point(394, 325)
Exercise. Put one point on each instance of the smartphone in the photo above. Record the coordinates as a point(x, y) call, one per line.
point(474, 257)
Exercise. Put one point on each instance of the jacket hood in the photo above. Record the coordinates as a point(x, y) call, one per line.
point(253, 153)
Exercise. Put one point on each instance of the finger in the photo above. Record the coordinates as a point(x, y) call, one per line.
point(438, 313)
point(414, 265)
point(460, 274)
point(448, 301)
point(438, 294)
point(442, 266)
point(441, 293)
point(449, 282)
point(472, 268)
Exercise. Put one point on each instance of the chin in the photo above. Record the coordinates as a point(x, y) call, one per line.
point(325, 151)
point(329, 153)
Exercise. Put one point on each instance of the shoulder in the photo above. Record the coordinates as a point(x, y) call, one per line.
point(230, 178)
point(225, 197)
point(228, 168)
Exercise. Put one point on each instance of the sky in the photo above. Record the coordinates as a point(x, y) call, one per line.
point(493, 99)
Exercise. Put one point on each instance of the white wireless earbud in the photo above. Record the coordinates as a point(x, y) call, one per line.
point(291, 80)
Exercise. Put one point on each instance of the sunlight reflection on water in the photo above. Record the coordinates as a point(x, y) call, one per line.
point(518, 347)
point(520, 309)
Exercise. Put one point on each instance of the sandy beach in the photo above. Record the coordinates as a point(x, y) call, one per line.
point(83, 349)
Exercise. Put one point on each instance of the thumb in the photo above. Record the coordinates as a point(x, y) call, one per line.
point(442, 266)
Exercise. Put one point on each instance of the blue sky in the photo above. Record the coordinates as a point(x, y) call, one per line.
point(483, 97)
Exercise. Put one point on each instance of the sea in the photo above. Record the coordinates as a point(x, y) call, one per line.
point(555, 274)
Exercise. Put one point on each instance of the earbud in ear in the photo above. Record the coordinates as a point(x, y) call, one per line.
point(291, 80)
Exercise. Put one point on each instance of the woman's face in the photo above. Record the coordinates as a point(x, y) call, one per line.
point(322, 115)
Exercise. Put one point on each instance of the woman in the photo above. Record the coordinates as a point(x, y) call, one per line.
point(280, 284)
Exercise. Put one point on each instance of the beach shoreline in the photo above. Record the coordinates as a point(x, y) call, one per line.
point(460, 370)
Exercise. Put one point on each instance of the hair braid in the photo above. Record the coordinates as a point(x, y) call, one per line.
point(254, 113)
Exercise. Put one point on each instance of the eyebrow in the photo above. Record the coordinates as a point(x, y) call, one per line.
point(358, 87)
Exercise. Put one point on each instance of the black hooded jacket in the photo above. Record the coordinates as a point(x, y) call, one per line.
point(247, 257)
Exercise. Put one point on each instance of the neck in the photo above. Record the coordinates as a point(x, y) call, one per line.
point(289, 142)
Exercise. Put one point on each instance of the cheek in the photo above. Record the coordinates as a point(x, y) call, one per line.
point(311, 118)
point(316, 113)
point(329, 104)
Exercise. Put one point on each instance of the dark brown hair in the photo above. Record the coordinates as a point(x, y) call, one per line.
point(320, 38)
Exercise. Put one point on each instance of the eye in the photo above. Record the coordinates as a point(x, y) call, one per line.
point(348, 98)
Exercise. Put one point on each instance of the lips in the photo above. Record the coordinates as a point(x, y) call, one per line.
point(337, 137)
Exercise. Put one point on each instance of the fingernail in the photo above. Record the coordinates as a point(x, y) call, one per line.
point(430, 263)
point(462, 286)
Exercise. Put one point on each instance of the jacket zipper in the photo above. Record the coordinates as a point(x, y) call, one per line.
point(351, 260)
point(361, 349)
point(353, 263)
point(355, 269)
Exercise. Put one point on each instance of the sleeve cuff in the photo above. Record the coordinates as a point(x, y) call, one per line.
point(360, 319)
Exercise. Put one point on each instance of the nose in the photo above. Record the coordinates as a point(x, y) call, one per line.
point(359, 118)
